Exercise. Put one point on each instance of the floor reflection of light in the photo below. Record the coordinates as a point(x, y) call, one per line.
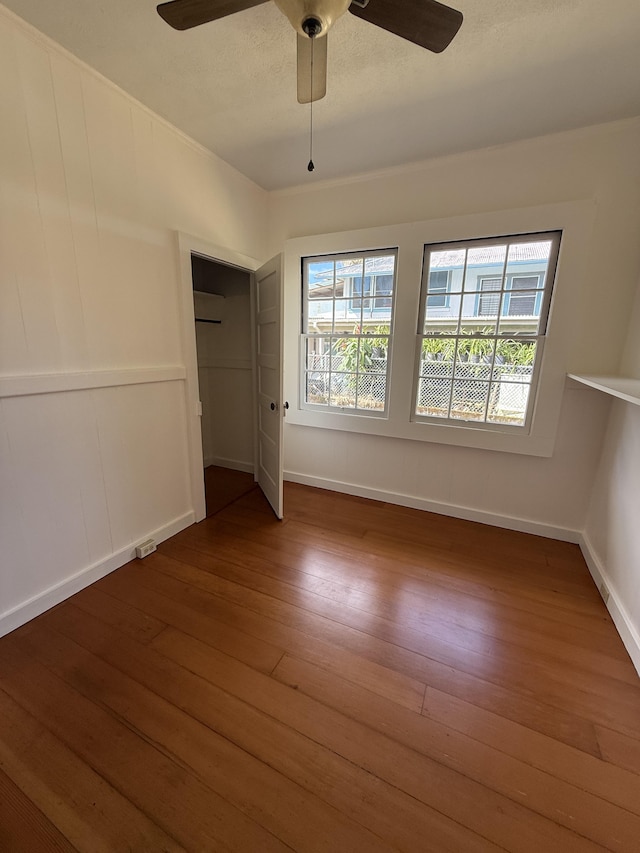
point(425, 610)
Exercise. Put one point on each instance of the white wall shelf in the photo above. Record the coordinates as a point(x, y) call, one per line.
point(616, 386)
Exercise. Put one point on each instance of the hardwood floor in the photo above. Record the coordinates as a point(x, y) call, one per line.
point(358, 677)
point(223, 486)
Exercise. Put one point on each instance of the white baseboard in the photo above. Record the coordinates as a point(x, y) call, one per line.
point(234, 464)
point(523, 525)
point(36, 605)
point(621, 619)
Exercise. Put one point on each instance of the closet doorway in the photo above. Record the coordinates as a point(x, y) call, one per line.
point(223, 321)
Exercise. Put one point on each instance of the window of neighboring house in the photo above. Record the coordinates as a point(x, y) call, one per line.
point(375, 292)
point(488, 299)
point(479, 365)
point(346, 331)
point(526, 301)
point(438, 288)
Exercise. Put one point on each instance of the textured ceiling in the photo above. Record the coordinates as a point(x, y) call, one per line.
point(517, 68)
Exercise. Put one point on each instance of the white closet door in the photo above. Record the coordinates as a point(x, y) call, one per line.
point(271, 407)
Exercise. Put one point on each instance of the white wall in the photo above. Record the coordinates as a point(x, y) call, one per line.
point(93, 434)
point(549, 495)
point(612, 532)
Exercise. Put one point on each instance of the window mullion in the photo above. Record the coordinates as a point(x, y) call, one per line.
point(503, 287)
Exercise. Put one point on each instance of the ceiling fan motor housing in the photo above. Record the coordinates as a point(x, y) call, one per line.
point(312, 18)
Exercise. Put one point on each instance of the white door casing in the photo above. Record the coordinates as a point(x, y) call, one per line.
point(188, 245)
point(270, 404)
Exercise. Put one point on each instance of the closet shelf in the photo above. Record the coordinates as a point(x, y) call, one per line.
point(208, 295)
point(208, 307)
point(622, 387)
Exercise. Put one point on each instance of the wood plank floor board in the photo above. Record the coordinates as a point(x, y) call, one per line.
point(260, 654)
point(274, 626)
point(23, 827)
point(619, 748)
point(568, 804)
point(614, 780)
point(141, 698)
point(590, 694)
point(221, 627)
point(342, 785)
point(417, 527)
point(248, 684)
point(487, 812)
point(357, 677)
point(474, 605)
point(223, 486)
point(487, 580)
point(536, 581)
point(86, 809)
point(440, 632)
point(138, 624)
point(173, 798)
point(462, 621)
point(547, 586)
point(538, 548)
point(473, 538)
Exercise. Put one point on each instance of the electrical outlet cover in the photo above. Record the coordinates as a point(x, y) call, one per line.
point(145, 548)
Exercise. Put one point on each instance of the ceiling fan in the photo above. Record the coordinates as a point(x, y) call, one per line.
point(426, 23)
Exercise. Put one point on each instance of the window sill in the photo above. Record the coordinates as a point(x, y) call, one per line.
point(622, 387)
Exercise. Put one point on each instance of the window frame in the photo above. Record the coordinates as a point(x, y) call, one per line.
point(502, 292)
point(370, 296)
point(575, 219)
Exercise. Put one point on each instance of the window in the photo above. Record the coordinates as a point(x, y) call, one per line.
point(523, 304)
point(479, 364)
point(378, 286)
point(517, 409)
point(488, 300)
point(346, 324)
point(514, 305)
point(438, 288)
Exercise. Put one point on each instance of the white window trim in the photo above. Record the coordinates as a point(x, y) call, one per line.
point(574, 219)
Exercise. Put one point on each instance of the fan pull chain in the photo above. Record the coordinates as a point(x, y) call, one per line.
point(310, 165)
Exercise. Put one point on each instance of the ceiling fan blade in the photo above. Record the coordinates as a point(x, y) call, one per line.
point(184, 14)
point(424, 22)
point(312, 87)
